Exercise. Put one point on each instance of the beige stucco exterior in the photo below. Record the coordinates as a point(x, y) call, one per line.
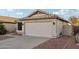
point(10, 27)
point(59, 28)
point(43, 28)
point(68, 30)
point(42, 24)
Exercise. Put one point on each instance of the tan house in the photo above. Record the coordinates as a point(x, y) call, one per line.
point(42, 24)
point(9, 23)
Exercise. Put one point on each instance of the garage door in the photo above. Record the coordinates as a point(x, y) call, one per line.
point(43, 29)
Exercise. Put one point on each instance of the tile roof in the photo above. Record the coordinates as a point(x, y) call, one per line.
point(7, 19)
point(43, 15)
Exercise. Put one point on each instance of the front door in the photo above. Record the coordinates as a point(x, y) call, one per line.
point(19, 26)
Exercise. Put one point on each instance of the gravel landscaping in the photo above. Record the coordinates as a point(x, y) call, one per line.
point(64, 42)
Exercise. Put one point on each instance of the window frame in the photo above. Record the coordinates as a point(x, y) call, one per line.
point(19, 26)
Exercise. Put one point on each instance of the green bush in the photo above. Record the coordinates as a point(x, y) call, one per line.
point(2, 29)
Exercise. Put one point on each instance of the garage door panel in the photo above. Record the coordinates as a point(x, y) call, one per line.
point(39, 29)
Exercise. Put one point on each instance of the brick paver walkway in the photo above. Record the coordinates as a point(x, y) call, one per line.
point(64, 42)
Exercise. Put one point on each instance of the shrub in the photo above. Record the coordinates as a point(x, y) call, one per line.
point(75, 30)
point(2, 29)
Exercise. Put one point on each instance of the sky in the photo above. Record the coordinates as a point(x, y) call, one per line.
point(19, 13)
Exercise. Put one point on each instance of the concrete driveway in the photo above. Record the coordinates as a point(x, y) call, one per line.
point(23, 42)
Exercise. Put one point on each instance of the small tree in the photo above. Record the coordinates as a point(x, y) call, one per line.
point(2, 29)
point(74, 20)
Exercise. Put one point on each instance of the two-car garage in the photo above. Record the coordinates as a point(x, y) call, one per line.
point(42, 29)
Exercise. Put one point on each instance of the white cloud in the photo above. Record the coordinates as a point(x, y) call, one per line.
point(55, 12)
point(10, 10)
point(2, 10)
point(19, 13)
point(68, 12)
point(6, 10)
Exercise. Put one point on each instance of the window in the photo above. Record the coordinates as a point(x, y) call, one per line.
point(19, 26)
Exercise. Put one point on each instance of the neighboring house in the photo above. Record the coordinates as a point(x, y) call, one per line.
point(42, 24)
point(9, 23)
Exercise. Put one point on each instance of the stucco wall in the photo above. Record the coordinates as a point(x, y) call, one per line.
point(59, 27)
point(67, 30)
point(10, 27)
point(54, 34)
point(43, 28)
